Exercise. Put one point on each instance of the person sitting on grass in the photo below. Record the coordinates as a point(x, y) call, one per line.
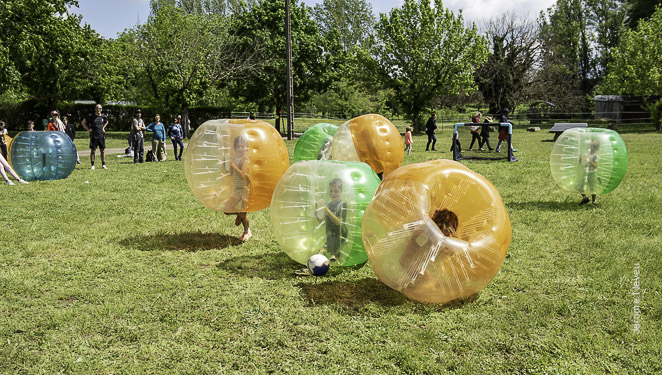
point(5, 166)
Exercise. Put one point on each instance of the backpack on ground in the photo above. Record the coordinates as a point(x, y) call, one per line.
point(150, 156)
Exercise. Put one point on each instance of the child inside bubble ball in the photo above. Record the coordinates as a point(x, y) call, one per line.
point(335, 216)
point(589, 162)
point(240, 186)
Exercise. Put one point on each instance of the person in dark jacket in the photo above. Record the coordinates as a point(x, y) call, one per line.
point(430, 128)
point(503, 130)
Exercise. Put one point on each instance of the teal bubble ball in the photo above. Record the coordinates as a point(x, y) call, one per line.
point(39, 156)
point(589, 160)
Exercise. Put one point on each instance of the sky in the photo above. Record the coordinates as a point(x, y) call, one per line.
point(110, 17)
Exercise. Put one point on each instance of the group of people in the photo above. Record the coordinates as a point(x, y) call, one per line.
point(478, 133)
point(159, 135)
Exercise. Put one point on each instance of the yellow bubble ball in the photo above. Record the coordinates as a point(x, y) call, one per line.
point(407, 247)
point(235, 165)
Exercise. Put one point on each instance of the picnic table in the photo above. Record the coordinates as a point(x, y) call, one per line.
point(560, 127)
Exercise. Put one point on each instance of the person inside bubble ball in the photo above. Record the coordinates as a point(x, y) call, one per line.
point(417, 250)
point(240, 181)
point(589, 161)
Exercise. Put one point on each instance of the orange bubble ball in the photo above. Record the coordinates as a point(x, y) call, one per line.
point(436, 231)
point(235, 165)
point(371, 139)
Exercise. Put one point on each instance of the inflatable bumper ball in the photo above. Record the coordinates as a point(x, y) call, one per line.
point(436, 231)
point(234, 165)
point(40, 156)
point(317, 208)
point(589, 160)
point(372, 139)
point(315, 143)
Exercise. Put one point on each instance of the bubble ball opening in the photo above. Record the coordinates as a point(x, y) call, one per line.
point(407, 249)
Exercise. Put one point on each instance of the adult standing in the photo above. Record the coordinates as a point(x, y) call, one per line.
point(503, 130)
point(55, 124)
point(430, 128)
point(138, 128)
point(70, 131)
point(95, 123)
point(158, 131)
point(176, 134)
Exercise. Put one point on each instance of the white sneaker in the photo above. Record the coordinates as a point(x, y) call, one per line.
point(104, 167)
point(10, 183)
point(92, 168)
point(22, 181)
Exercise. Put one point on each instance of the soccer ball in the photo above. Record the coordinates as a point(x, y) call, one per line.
point(318, 264)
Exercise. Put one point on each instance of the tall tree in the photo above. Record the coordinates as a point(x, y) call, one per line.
point(351, 19)
point(640, 9)
point(504, 77)
point(44, 48)
point(264, 25)
point(423, 52)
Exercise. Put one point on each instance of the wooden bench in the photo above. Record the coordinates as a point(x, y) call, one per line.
point(560, 127)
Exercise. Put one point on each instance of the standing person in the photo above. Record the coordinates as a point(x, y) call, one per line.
point(30, 126)
point(485, 134)
point(239, 199)
point(475, 135)
point(5, 166)
point(589, 161)
point(503, 131)
point(158, 131)
point(430, 128)
point(3, 143)
point(138, 127)
point(95, 123)
point(251, 116)
point(55, 124)
point(176, 134)
point(409, 141)
point(70, 131)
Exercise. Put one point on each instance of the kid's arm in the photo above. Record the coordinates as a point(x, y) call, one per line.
point(334, 219)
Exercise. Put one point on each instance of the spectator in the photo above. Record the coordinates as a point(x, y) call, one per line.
point(138, 127)
point(95, 123)
point(70, 130)
point(176, 134)
point(158, 131)
point(430, 128)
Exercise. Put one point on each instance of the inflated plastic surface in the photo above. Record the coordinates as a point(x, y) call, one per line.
point(297, 209)
point(372, 139)
point(209, 156)
point(315, 142)
point(39, 156)
point(409, 253)
point(573, 163)
point(8, 141)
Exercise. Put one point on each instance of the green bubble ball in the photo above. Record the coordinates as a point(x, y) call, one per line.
point(315, 142)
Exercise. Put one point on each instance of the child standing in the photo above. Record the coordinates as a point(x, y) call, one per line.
point(409, 141)
point(589, 161)
point(474, 132)
point(241, 181)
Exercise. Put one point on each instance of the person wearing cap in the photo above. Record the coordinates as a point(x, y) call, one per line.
point(95, 123)
point(138, 128)
point(503, 130)
point(55, 124)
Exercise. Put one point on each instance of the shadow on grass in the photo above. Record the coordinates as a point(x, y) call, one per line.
point(271, 266)
point(188, 241)
point(355, 296)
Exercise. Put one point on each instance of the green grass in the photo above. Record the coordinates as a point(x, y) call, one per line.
point(123, 271)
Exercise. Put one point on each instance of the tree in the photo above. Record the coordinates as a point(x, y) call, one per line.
point(640, 9)
point(507, 73)
point(264, 25)
point(351, 19)
point(180, 56)
point(423, 52)
point(44, 48)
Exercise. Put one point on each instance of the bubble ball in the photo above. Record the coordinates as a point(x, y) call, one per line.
point(589, 160)
point(452, 257)
point(318, 265)
point(40, 156)
point(372, 139)
point(234, 165)
point(318, 206)
point(315, 142)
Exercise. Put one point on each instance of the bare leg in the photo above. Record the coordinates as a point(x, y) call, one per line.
point(103, 155)
point(4, 165)
point(92, 152)
point(247, 230)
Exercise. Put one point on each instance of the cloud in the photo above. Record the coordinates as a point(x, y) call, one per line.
point(477, 10)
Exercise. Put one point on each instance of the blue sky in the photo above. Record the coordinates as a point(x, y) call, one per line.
point(110, 17)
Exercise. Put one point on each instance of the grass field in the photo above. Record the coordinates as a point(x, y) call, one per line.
point(123, 271)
